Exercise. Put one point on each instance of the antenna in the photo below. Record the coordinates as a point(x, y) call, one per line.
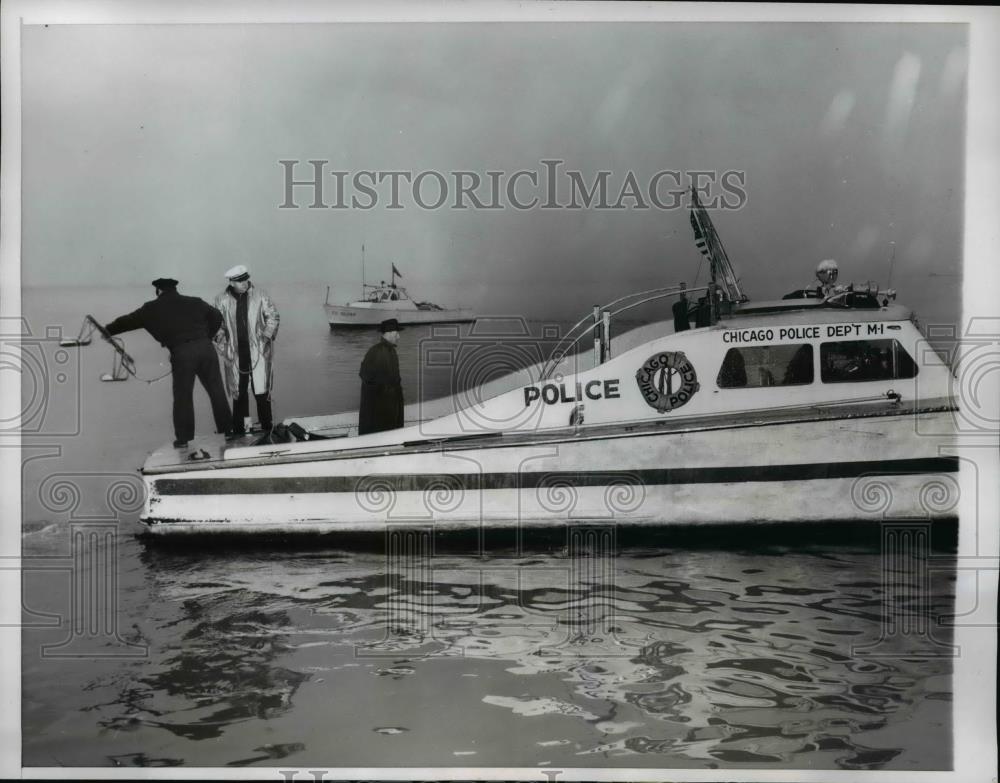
point(362, 270)
point(892, 263)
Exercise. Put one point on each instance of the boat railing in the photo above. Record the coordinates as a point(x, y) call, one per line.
point(598, 323)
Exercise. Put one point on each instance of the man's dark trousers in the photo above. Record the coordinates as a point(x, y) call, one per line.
point(197, 358)
point(241, 405)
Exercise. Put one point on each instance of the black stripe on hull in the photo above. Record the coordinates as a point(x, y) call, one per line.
point(421, 482)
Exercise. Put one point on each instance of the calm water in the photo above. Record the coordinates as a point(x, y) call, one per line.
point(714, 653)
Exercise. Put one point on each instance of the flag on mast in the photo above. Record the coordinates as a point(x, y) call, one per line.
point(396, 272)
point(699, 238)
point(708, 243)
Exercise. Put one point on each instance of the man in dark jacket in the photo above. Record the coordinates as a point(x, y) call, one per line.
point(381, 390)
point(682, 319)
point(185, 325)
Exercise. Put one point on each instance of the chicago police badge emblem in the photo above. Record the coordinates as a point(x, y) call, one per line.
point(667, 380)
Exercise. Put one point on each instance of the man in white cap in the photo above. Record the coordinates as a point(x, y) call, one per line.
point(826, 273)
point(246, 344)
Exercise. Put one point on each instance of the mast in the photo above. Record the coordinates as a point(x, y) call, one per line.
point(892, 263)
point(362, 270)
point(713, 287)
point(723, 276)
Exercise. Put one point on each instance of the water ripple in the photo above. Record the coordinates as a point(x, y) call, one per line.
point(696, 659)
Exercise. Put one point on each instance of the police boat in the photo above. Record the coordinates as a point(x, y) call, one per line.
point(826, 406)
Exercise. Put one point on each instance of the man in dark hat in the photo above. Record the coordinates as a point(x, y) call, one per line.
point(185, 325)
point(381, 389)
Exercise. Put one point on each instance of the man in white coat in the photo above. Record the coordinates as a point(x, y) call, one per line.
point(246, 344)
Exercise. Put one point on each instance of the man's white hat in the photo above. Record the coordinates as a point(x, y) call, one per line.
point(827, 270)
point(238, 273)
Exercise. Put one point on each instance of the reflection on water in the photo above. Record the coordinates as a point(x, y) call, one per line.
point(220, 671)
point(684, 658)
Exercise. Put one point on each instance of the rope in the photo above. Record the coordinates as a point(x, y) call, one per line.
point(124, 362)
point(260, 354)
point(153, 380)
point(240, 370)
point(128, 364)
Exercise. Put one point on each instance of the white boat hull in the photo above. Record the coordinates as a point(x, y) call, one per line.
point(340, 316)
point(843, 467)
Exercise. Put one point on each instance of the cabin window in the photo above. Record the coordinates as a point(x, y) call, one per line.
point(865, 360)
point(766, 365)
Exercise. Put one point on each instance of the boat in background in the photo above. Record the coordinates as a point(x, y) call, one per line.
point(388, 300)
point(829, 406)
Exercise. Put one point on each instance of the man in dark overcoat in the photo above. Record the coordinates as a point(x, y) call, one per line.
point(185, 325)
point(381, 389)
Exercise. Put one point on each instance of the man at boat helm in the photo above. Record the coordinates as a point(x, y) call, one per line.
point(185, 326)
point(246, 344)
point(381, 389)
point(826, 273)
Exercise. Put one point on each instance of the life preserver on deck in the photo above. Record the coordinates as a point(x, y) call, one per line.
point(667, 380)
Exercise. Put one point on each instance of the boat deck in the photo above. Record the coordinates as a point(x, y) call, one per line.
point(171, 460)
point(201, 450)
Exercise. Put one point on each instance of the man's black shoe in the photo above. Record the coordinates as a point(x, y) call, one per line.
point(180, 444)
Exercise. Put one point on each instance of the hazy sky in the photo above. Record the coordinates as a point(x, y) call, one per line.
point(153, 150)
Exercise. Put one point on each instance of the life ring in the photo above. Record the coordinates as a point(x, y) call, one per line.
point(660, 374)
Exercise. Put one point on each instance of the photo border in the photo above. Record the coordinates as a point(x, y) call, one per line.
point(974, 705)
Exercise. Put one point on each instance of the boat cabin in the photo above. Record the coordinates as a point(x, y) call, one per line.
point(728, 360)
point(789, 358)
point(386, 293)
point(393, 297)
